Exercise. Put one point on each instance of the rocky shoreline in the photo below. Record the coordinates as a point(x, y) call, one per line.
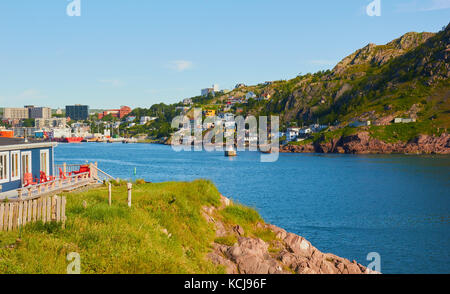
point(288, 254)
point(362, 143)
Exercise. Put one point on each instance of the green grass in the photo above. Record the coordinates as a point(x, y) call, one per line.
point(229, 240)
point(119, 239)
point(404, 132)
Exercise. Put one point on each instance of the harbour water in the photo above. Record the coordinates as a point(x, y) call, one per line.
point(348, 205)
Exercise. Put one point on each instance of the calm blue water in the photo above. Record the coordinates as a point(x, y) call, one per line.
point(398, 206)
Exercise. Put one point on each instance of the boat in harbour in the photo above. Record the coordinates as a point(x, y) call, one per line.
point(73, 140)
point(230, 152)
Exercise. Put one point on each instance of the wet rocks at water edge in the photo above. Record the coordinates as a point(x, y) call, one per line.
point(362, 143)
point(288, 254)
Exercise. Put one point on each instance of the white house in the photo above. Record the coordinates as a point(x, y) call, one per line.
point(250, 95)
point(400, 120)
point(292, 134)
point(146, 119)
point(305, 131)
point(214, 89)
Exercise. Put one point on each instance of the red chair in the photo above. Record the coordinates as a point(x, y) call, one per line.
point(44, 178)
point(62, 175)
point(83, 169)
point(28, 180)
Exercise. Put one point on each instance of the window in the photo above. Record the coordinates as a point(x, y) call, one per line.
point(4, 167)
point(45, 162)
point(26, 164)
point(15, 165)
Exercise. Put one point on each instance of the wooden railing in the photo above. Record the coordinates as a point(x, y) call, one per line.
point(67, 168)
point(100, 175)
point(14, 215)
point(36, 191)
point(96, 173)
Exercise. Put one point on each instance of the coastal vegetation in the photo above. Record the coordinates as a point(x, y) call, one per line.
point(163, 232)
point(406, 78)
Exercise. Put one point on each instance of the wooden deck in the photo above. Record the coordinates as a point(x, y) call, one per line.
point(66, 184)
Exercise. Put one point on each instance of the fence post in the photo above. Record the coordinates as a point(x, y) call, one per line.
point(109, 193)
point(129, 186)
point(64, 168)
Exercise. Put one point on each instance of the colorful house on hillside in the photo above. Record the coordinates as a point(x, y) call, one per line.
point(118, 113)
point(210, 113)
point(20, 159)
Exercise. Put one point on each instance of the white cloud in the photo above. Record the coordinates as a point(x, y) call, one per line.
point(180, 65)
point(31, 94)
point(112, 82)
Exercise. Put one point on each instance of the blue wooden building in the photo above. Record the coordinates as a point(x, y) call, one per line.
point(18, 157)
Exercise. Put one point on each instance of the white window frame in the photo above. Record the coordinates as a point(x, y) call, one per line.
point(30, 163)
point(47, 163)
point(6, 180)
point(19, 166)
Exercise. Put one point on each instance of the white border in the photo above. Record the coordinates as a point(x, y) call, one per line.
point(30, 162)
point(7, 167)
point(19, 165)
point(47, 162)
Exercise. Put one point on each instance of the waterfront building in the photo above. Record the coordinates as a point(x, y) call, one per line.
point(77, 112)
point(4, 133)
point(118, 113)
point(24, 132)
point(19, 158)
point(58, 133)
point(39, 112)
point(292, 134)
point(15, 113)
point(49, 123)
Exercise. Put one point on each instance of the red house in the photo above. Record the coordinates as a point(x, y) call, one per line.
point(119, 113)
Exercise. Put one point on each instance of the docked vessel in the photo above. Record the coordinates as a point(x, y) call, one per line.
point(230, 152)
point(73, 140)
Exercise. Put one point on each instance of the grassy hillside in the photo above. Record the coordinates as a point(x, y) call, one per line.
point(163, 232)
point(409, 73)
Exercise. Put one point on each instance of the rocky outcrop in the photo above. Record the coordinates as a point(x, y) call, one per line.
point(288, 254)
point(363, 143)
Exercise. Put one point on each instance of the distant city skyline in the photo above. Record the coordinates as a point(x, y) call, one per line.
point(140, 53)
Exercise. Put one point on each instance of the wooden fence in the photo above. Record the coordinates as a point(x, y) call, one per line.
point(46, 209)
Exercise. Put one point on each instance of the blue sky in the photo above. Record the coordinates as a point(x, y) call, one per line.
point(141, 52)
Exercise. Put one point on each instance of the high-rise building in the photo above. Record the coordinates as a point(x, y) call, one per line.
point(40, 112)
point(15, 113)
point(77, 112)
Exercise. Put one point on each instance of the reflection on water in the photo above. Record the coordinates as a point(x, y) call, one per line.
point(349, 205)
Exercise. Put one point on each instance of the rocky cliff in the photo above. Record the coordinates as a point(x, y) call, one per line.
point(363, 143)
point(286, 254)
